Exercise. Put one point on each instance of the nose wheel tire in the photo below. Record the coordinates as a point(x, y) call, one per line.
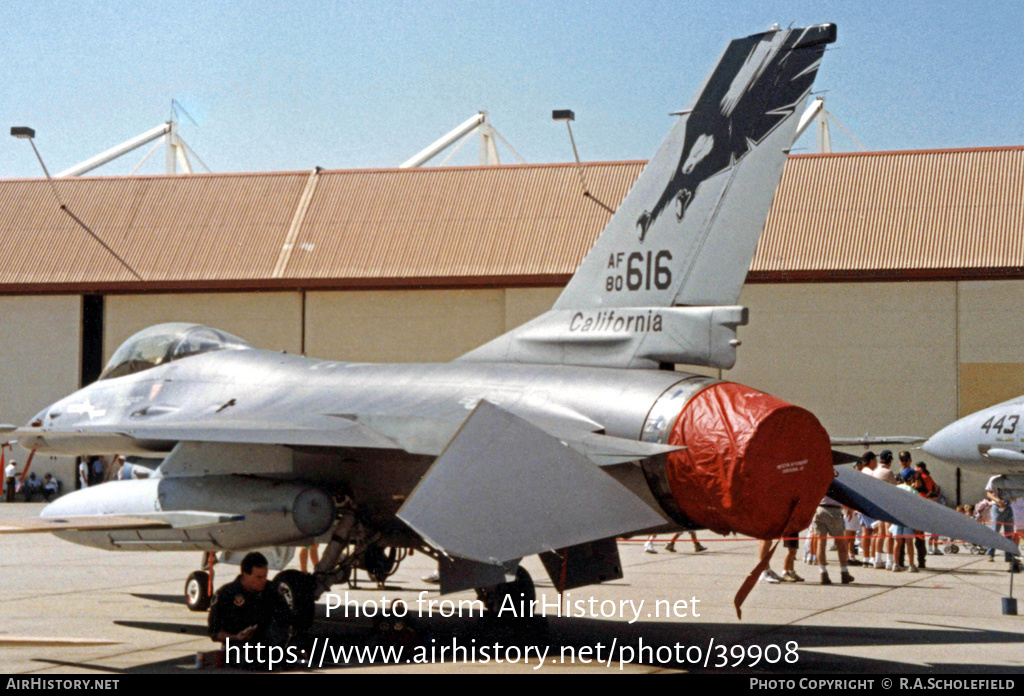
point(197, 591)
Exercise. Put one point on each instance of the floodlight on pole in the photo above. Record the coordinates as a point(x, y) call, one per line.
point(567, 116)
point(26, 133)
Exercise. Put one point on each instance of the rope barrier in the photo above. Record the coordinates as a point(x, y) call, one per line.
point(719, 540)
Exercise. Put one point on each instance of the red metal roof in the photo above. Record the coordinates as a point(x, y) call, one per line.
point(948, 211)
point(925, 213)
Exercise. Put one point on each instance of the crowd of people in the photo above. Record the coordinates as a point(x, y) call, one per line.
point(885, 546)
point(92, 471)
point(882, 545)
point(29, 487)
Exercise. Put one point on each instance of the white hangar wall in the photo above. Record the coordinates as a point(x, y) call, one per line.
point(401, 325)
point(991, 343)
point(40, 352)
point(271, 320)
point(887, 358)
point(415, 325)
point(362, 326)
point(40, 362)
point(865, 357)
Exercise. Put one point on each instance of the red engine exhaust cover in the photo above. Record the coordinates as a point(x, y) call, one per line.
point(754, 464)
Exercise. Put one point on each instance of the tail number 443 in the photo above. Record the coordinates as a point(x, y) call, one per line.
point(1006, 425)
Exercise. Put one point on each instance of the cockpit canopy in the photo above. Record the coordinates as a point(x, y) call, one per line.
point(165, 343)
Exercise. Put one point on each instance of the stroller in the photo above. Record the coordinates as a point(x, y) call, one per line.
point(952, 546)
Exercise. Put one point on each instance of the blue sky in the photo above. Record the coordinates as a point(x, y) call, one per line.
point(292, 85)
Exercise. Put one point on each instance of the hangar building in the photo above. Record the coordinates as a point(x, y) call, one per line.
point(885, 295)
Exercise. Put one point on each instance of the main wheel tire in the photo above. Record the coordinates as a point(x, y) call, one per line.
point(197, 591)
point(298, 589)
point(520, 592)
point(378, 563)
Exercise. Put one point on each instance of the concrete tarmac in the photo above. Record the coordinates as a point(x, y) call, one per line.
point(71, 609)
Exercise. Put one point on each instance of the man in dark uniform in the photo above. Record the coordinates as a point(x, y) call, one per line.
point(250, 609)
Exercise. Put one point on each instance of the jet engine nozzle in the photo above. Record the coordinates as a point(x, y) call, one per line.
point(753, 464)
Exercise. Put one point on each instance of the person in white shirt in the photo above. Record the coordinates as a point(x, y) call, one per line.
point(1001, 516)
point(10, 472)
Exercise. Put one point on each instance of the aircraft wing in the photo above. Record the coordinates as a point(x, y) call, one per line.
point(884, 501)
point(33, 525)
point(868, 440)
point(95, 523)
point(156, 439)
point(413, 434)
point(504, 489)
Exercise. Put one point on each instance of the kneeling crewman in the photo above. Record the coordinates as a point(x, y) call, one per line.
point(250, 611)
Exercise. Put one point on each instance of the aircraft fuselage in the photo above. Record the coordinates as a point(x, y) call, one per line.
point(371, 432)
point(990, 440)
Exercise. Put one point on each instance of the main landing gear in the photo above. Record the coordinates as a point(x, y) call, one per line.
point(512, 596)
point(354, 547)
point(299, 592)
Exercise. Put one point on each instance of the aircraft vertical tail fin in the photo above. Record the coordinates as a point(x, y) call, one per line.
point(685, 235)
point(687, 231)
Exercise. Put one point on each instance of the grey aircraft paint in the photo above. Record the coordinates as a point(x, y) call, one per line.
point(990, 440)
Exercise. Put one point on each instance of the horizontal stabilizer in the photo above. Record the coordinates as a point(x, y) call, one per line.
point(504, 489)
point(605, 450)
point(884, 501)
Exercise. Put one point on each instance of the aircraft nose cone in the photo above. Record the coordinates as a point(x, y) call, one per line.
point(950, 443)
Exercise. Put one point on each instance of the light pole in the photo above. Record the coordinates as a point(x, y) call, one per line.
point(567, 115)
point(26, 133)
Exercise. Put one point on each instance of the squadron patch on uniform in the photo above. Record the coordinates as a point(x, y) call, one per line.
point(239, 600)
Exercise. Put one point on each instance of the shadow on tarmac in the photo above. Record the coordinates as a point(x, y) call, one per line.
point(168, 598)
point(579, 642)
